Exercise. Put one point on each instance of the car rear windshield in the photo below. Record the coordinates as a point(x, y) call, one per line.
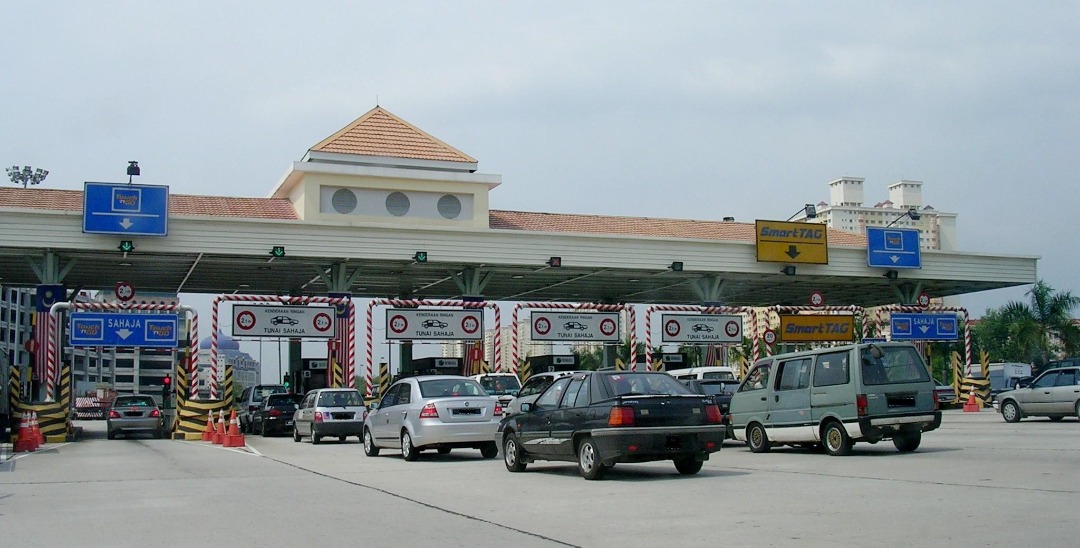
point(340, 398)
point(134, 401)
point(261, 392)
point(898, 365)
point(635, 384)
point(451, 388)
point(499, 385)
point(718, 376)
point(282, 399)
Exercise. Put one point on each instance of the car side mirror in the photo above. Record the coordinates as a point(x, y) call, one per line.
point(374, 405)
point(526, 407)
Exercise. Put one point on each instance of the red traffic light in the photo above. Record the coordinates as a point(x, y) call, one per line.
point(168, 380)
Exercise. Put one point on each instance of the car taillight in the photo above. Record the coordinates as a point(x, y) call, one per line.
point(275, 412)
point(860, 404)
point(318, 416)
point(498, 409)
point(114, 414)
point(621, 415)
point(155, 413)
point(429, 412)
point(712, 415)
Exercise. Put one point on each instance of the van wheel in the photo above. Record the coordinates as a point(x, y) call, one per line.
point(907, 442)
point(756, 439)
point(1010, 411)
point(836, 440)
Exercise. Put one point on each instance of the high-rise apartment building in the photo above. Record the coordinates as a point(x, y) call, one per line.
point(846, 211)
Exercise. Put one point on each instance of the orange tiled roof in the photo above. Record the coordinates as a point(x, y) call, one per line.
point(281, 209)
point(642, 226)
point(179, 204)
point(379, 133)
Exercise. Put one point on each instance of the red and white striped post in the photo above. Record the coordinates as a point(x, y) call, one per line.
point(257, 299)
point(632, 318)
point(414, 303)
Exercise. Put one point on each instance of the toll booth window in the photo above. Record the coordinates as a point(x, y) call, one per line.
point(832, 369)
point(794, 374)
point(757, 379)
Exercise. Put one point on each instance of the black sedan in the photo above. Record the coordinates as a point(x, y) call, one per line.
point(275, 415)
point(601, 418)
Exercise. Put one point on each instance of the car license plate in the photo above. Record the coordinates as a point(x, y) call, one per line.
point(288, 423)
point(467, 411)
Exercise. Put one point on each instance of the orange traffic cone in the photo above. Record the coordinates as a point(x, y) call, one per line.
point(26, 442)
point(972, 403)
point(235, 437)
point(38, 438)
point(219, 432)
point(208, 433)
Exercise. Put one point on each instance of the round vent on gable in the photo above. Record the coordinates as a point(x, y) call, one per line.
point(449, 206)
point(397, 204)
point(343, 200)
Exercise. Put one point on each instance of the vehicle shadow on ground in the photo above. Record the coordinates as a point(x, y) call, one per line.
point(882, 449)
point(629, 472)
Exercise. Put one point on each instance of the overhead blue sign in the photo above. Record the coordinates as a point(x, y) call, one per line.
point(893, 247)
point(123, 329)
point(924, 327)
point(130, 210)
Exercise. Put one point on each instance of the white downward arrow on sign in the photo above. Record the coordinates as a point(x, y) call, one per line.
point(894, 258)
point(126, 223)
point(124, 333)
point(924, 328)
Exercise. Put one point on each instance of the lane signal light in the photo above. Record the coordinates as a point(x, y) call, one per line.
point(420, 257)
point(127, 246)
point(277, 251)
point(555, 262)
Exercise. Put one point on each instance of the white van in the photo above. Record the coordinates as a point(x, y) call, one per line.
point(710, 372)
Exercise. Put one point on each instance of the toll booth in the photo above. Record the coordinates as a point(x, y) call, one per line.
point(549, 363)
point(313, 374)
point(674, 360)
point(433, 366)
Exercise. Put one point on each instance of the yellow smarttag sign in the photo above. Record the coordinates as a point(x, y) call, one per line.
point(816, 328)
point(783, 242)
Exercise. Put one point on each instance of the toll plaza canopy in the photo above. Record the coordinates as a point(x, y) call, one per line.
point(382, 209)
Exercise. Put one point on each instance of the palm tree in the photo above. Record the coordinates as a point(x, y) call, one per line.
point(1035, 325)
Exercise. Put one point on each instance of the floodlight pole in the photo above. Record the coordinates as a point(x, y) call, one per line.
point(27, 175)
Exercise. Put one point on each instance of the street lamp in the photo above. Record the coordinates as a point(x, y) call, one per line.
point(809, 210)
point(911, 212)
point(27, 175)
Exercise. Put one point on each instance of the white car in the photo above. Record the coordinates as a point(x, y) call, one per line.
point(503, 386)
point(533, 387)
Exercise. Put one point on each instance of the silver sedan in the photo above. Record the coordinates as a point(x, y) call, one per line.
point(440, 412)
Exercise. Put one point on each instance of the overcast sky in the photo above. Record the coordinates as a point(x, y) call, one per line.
point(694, 110)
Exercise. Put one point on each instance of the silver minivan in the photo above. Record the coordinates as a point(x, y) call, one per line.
point(835, 397)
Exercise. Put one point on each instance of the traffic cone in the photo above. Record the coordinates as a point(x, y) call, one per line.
point(27, 442)
point(208, 433)
point(972, 403)
point(36, 428)
point(235, 437)
point(219, 432)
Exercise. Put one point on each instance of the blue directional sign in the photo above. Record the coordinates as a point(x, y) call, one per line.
point(893, 247)
point(131, 210)
point(123, 329)
point(924, 327)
